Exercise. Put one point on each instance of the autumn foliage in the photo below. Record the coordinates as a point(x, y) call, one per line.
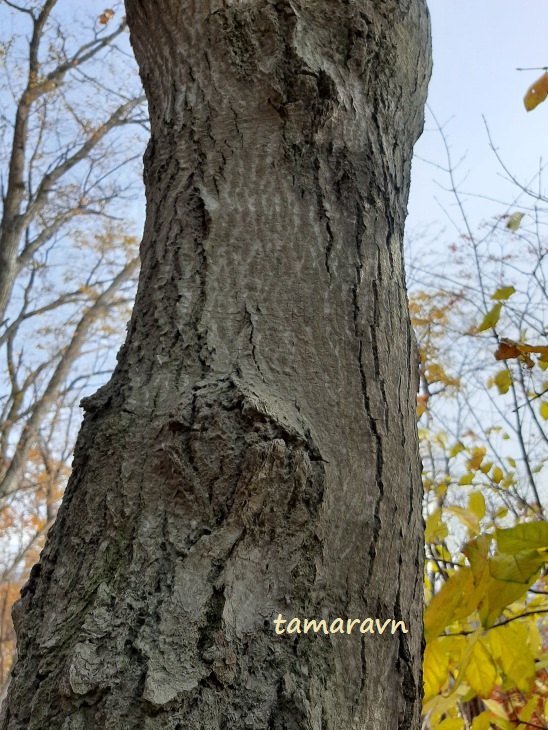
point(536, 93)
point(68, 255)
point(483, 409)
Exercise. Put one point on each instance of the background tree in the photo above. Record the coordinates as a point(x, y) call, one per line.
point(480, 317)
point(255, 450)
point(68, 256)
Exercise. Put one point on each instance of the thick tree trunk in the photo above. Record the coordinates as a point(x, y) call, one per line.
point(255, 452)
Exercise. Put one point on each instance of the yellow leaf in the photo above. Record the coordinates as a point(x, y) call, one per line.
point(544, 410)
point(439, 705)
point(491, 318)
point(476, 457)
point(503, 381)
point(456, 599)
point(508, 481)
point(534, 639)
point(536, 93)
point(481, 673)
point(530, 708)
point(452, 723)
point(509, 649)
point(482, 722)
point(505, 292)
point(497, 474)
point(500, 713)
point(441, 489)
point(477, 552)
point(457, 448)
point(435, 668)
point(435, 529)
point(468, 519)
point(511, 461)
point(542, 664)
point(466, 479)
point(476, 504)
point(441, 439)
point(444, 554)
point(465, 657)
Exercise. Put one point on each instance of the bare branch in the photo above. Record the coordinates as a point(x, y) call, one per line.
point(28, 437)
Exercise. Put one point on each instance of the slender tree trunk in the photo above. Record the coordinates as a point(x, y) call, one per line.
point(255, 452)
point(11, 473)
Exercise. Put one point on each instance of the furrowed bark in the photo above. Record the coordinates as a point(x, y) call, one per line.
point(255, 451)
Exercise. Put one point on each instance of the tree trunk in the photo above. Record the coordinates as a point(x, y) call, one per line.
point(255, 452)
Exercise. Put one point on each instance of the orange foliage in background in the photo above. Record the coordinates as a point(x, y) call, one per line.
point(24, 522)
point(70, 256)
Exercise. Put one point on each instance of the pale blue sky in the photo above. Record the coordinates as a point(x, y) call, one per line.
point(478, 44)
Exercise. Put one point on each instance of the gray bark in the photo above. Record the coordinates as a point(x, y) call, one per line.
point(255, 451)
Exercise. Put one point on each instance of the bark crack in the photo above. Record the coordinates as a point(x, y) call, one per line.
point(251, 325)
point(323, 214)
point(374, 429)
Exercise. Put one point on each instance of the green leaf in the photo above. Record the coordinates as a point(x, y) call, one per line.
point(544, 410)
point(505, 292)
point(498, 597)
point(491, 318)
point(518, 568)
point(527, 536)
point(514, 221)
